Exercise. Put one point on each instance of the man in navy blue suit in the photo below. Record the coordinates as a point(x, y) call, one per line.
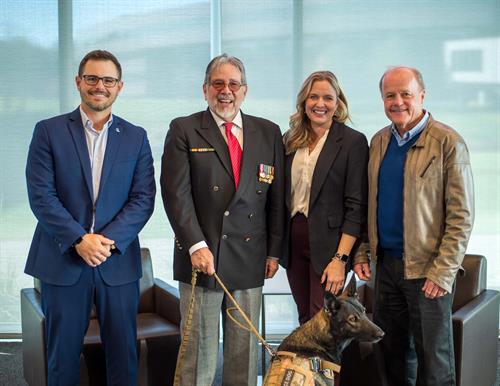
point(91, 187)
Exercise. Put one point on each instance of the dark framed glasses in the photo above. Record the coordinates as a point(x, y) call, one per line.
point(107, 81)
point(232, 85)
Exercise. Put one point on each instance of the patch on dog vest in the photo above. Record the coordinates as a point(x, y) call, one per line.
point(283, 372)
point(290, 378)
point(290, 370)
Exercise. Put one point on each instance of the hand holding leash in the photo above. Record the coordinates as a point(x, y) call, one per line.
point(203, 261)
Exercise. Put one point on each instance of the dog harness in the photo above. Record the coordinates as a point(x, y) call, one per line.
point(289, 369)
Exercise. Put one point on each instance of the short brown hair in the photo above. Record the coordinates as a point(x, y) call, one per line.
point(100, 55)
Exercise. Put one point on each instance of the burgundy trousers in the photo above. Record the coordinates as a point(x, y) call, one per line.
point(307, 291)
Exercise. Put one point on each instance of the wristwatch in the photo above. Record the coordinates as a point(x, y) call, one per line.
point(343, 258)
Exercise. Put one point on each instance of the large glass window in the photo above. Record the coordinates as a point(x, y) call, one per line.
point(456, 45)
point(29, 91)
point(260, 34)
point(164, 47)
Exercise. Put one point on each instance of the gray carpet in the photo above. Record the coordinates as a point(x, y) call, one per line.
point(11, 365)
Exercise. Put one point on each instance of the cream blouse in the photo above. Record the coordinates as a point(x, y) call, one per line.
point(303, 166)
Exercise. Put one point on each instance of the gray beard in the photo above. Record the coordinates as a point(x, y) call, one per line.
point(225, 114)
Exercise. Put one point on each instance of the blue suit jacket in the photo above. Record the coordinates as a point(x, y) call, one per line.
point(59, 180)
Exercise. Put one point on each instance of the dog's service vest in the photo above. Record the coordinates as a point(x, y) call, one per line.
point(289, 369)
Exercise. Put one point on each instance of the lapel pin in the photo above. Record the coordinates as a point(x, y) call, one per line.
point(117, 129)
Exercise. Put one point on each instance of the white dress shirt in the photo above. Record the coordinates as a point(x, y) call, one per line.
point(96, 145)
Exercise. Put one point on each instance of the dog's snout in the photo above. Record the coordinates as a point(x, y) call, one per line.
point(378, 334)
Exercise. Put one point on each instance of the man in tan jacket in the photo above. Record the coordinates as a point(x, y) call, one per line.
point(420, 216)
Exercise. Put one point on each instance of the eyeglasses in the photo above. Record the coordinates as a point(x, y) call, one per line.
point(232, 85)
point(107, 81)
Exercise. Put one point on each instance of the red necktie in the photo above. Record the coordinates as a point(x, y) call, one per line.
point(235, 152)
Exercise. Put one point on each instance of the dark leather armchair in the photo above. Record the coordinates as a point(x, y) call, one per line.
point(475, 327)
point(158, 335)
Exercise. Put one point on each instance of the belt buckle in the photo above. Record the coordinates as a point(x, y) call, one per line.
point(315, 363)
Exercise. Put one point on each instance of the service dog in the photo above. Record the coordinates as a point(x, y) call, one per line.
point(310, 355)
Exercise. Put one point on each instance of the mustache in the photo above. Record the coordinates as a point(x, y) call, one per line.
point(99, 92)
point(225, 97)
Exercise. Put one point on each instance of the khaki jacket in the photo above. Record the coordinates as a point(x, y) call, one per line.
point(438, 203)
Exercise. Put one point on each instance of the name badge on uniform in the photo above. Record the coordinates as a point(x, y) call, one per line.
point(201, 149)
point(266, 173)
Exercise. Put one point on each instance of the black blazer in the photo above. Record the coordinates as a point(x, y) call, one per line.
point(241, 227)
point(338, 198)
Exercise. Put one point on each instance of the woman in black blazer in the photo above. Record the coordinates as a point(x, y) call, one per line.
point(326, 192)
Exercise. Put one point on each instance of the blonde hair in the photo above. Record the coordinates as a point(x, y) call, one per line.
point(301, 133)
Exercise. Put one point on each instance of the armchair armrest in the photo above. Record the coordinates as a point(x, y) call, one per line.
point(33, 325)
point(167, 301)
point(475, 330)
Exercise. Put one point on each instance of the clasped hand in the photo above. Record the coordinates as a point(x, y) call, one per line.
point(94, 249)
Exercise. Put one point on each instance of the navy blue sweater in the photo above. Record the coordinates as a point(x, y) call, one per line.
point(390, 198)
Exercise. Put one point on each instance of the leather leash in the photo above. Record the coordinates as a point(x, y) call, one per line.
point(189, 319)
point(187, 330)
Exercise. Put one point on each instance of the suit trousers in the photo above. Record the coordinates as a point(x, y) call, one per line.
point(417, 348)
point(305, 283)
point(240, 346)
point(67, 313)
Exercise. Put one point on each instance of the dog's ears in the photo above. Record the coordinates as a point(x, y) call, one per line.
point(350, 289)
point(331, 303)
